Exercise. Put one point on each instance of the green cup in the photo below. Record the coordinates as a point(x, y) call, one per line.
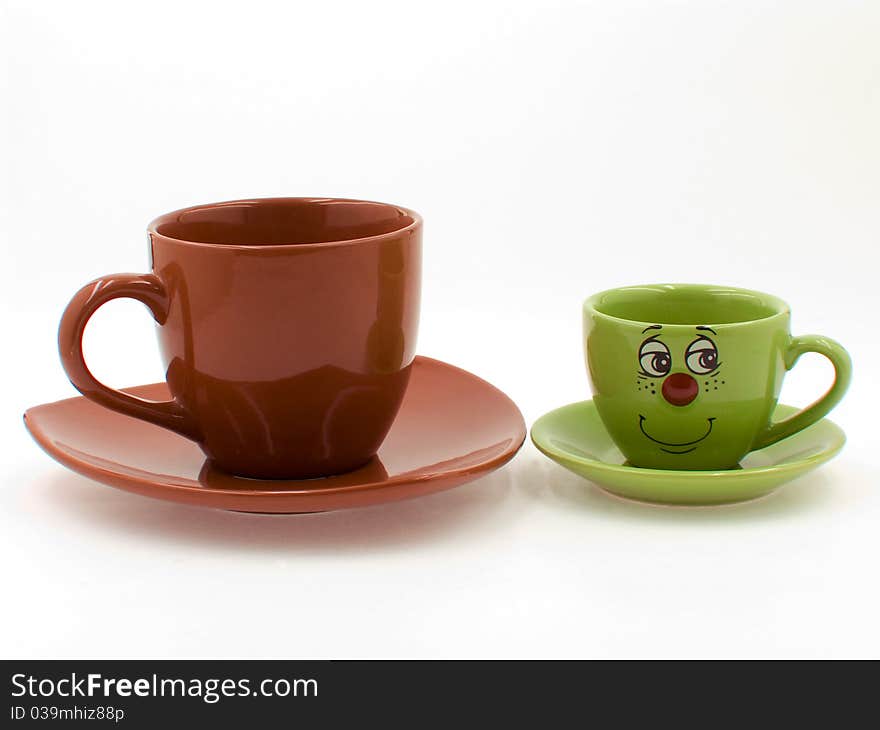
point(687, 376)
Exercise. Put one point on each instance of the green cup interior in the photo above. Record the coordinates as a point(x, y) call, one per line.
point(686, 304)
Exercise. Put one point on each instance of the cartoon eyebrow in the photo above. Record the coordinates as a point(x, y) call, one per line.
point(701, 327)
point(653, 327)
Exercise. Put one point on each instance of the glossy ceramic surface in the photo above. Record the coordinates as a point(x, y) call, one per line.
point(452, 428)
point(575, 437)
point(687, 376)
point(287, 327)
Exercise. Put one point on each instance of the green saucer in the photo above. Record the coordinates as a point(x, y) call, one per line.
point(575, 437)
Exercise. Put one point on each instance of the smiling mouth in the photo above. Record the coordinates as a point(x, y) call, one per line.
point(681, 448)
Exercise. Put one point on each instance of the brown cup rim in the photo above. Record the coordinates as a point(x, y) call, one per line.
point(152, 228)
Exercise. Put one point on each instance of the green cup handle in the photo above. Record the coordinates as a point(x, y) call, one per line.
point(814, 412)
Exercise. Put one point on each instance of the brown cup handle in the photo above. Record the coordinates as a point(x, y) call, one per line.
point(146, 288)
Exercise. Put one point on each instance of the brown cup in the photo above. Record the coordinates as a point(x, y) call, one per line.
point(287, 327)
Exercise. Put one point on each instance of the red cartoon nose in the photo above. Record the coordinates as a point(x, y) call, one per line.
point(680, 389)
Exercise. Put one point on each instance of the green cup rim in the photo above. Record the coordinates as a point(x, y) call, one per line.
point(780, 307)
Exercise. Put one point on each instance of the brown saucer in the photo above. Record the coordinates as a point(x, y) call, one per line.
point(452, 428)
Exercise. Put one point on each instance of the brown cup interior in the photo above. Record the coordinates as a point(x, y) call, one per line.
point(283, 221)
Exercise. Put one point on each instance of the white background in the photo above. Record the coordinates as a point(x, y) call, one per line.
point(554, 149)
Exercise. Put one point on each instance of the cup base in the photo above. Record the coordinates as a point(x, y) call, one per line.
point(287, 475)
point(721, 468)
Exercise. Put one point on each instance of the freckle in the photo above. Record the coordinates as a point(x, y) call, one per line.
point(716, 387)
point(707, 390)
point(722, 382)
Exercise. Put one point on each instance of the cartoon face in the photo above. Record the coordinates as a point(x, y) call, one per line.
point(679, 372)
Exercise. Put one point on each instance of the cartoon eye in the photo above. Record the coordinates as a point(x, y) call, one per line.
point(655, 359)
point(701, 356)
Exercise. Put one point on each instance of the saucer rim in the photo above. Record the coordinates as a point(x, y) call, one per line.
point(165, 484)
point(556, 454)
